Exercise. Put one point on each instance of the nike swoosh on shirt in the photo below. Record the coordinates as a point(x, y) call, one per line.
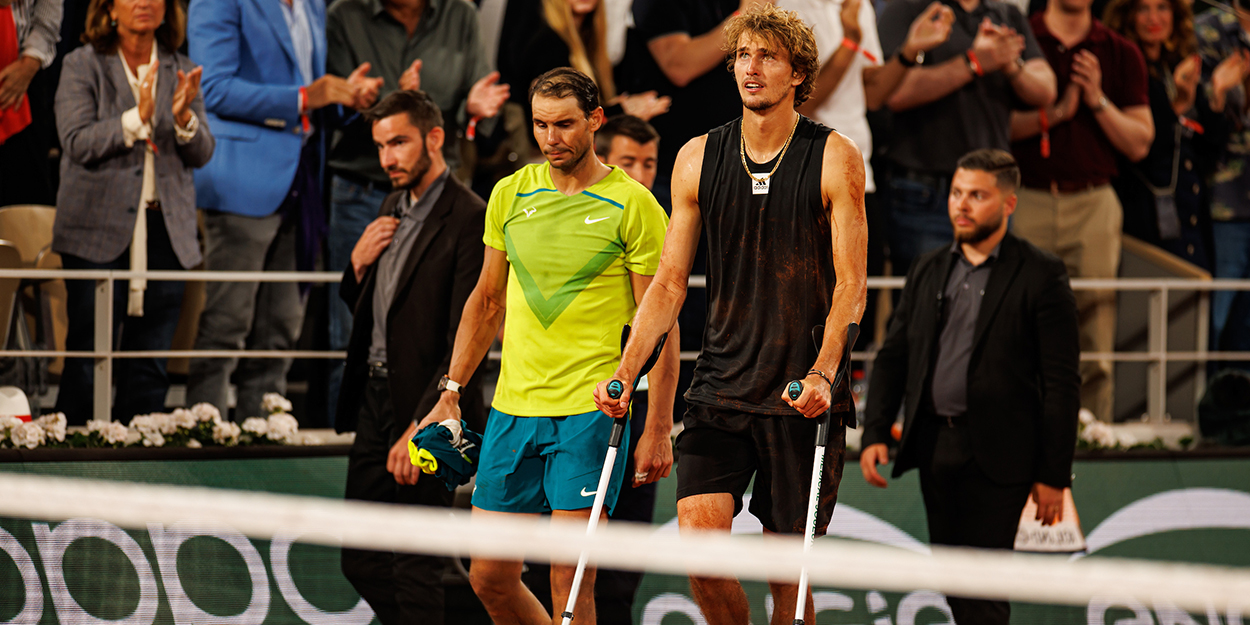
point(590, 494)
point(591, 221)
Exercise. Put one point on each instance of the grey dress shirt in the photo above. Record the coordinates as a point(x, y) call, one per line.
point(38, 25)
point(447, 41)
point(961, 303)
point(391, 263)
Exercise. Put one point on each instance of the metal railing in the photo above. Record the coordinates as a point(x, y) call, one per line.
point(1157, 356)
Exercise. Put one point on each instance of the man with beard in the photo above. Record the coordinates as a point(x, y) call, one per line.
point(782, 201)
point(571, 246)
point(410, 276)
point(983, 346)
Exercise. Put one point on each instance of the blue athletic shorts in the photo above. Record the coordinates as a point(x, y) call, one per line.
point(538, 464)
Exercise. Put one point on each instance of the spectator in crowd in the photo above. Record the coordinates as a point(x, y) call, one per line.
point(854, 79)
point(541, 35)
point(397, 38)
point(631, 144)
point(683, 59)
point(988, 370)
point(411, 273)
point(1164, 195)
point(958, 98)
point(1225, 65)
point(1067, 156)
point(265, 86)
point(132, 127)
point(29, 30)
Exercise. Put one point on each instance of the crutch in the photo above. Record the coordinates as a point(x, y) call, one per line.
point(615, 388)
point(794, 389)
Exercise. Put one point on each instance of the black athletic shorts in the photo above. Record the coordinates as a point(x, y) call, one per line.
point(720, 449)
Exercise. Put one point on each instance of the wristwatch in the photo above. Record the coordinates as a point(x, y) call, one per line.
point(1102, 103)
point(909, 63)
point(446, 384)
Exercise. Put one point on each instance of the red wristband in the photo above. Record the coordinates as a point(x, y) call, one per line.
point(1045, 123)
point(854, 47)
point(470, 133)
point(975, 64)
point(303, 110)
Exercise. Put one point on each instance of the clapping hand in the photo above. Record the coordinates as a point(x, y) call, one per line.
point(486, 97)
point(1087, 73)
point(410, 80)
point(1186, 77)
point(147, 95)
point(929, 30)
point(1231, 72)
point(645, 105)
point(996, 47)
point(1065, 108)
point(364, 89)
point(185, 93)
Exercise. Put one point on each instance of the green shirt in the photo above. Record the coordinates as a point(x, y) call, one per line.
point(450, 48)
point(569, 290)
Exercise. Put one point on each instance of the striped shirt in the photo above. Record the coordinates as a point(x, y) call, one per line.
point(38, 28)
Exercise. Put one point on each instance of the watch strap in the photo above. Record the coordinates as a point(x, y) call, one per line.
point(447, 384)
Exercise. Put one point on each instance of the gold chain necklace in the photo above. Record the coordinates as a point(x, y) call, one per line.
point(742, 149)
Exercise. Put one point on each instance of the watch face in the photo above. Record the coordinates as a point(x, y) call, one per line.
point(920, 58)
point(442, 384)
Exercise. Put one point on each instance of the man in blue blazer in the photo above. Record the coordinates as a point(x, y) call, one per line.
point(266, 88)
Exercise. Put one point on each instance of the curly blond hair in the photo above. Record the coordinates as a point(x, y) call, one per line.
point(787, 30)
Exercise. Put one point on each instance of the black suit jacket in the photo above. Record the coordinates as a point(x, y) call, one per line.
point(438, 275)
point(1023, 378)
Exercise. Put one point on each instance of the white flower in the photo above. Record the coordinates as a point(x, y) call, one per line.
point(194, 444)
point(114, 433)
point(226, 433)
point(282, 427)
point(28, 435)
point(205, 411)
point(183, 418)
point(153, 439)
point(1086, 416)
point(1100, 434)
point(54, 425)
point(1125, 439)
point(8, 422)
point(256, 425)
point(309, 439)
point(133, 437)
point(155, 423)
point(167, 424)
point(146, 423)
point(274, 403)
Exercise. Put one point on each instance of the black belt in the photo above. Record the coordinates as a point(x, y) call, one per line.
point(378, 371)
point(363, 181)
point(927, 178)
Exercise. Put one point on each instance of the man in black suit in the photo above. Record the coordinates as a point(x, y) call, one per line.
point(410, 275)
point(983, 346)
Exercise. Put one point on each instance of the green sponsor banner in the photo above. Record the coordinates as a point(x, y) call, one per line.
point(91, 572)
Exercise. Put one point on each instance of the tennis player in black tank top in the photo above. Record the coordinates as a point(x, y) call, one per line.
point(781, 198)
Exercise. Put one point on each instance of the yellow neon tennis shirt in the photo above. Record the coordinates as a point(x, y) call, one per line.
point(569, 292)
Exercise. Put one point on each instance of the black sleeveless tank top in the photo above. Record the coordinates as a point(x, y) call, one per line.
point(770, 274)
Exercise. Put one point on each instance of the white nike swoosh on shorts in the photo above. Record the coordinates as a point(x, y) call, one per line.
point(590, 494)
point(593, 221)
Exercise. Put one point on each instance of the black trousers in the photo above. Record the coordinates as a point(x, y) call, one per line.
point(401, 588)
point(967, 508)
